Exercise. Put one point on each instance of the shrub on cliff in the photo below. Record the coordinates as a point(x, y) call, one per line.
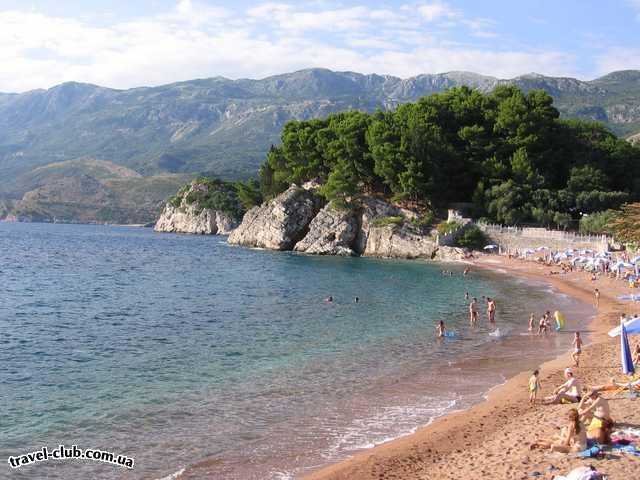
point(472, 238)
point(212, 194)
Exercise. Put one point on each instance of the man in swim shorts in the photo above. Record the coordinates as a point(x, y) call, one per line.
point(568, 392)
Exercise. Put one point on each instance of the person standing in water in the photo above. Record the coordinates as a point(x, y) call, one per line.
point(473, 311)
point(441, 329)
point(596, 294)
point(542, 325)
point(491, 309)
point(532, 319)
point(577, 349)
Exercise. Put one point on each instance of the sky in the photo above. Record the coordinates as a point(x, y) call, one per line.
point(124, 44)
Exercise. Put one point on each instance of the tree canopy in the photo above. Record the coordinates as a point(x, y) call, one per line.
point(506, 151)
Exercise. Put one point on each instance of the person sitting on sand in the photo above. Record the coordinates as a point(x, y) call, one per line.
point(577, 349)
point(600, 427)
point(532, 319)
point(590, 402)
point(568, 392)
point(636, 355)
point(473, 311)
point(441, 329)
point(573, 437)
point(534, 386)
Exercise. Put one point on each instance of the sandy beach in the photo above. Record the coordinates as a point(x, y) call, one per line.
point(491, 439)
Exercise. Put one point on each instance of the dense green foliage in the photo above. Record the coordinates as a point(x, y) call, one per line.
point(472, 238)
point(597, 223)
point(448, 227)
point(210, 193)
point(507, 152)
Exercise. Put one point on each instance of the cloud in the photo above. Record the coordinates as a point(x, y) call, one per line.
point(618, 58)
point(194, 40)
point(437, 11)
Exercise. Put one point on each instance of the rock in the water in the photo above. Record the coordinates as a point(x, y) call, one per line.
point(451, 254)
point(332, 232)
point(184, 212)
point(190, 219)
point(280, 223)
point(391, 241)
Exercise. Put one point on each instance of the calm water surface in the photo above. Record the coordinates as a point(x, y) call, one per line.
point(181, 351)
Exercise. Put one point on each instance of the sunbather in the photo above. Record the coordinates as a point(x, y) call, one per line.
point(573, 437)
point(568, 392)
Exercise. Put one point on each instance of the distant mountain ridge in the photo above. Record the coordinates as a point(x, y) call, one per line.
point(225, 127)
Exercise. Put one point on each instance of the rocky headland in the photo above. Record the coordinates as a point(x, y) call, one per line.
point(192, 210)
point(300, 219)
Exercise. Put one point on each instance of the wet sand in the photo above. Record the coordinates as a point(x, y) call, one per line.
point(491, 440)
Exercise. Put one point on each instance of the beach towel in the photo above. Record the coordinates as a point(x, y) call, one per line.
point(589, 452)
point(581, 473)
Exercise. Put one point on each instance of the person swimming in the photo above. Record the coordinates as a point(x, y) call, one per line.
point(329, 299)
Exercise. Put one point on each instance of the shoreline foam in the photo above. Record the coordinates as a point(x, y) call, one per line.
point(487, 440)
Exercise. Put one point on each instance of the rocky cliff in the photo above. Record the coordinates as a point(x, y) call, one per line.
point(188, 212)
point(190, 219)
point(297, 220)
point(279, 223)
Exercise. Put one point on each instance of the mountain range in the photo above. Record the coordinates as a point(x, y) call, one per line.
point(79, 146)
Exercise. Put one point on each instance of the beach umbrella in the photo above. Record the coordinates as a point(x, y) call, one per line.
point(625, 352)
point(635, 260)
point(490, 247)
point(539, 249)
point(528, 251)
point(632, 326)
point(585, 251)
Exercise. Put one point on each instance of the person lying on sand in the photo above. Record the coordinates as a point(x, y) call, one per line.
point(613, 385)
point(573, 437)
point(568, 392)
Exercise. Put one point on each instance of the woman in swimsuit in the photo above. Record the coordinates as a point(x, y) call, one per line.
point(573, 437)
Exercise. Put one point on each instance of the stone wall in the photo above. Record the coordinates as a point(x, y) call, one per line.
point(510, 239)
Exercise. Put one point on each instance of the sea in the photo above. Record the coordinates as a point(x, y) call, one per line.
point(198, 359)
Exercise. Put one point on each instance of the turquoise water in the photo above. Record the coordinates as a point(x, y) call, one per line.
point(181, 351)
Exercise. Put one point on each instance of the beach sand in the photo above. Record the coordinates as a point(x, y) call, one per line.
point(491, 440)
